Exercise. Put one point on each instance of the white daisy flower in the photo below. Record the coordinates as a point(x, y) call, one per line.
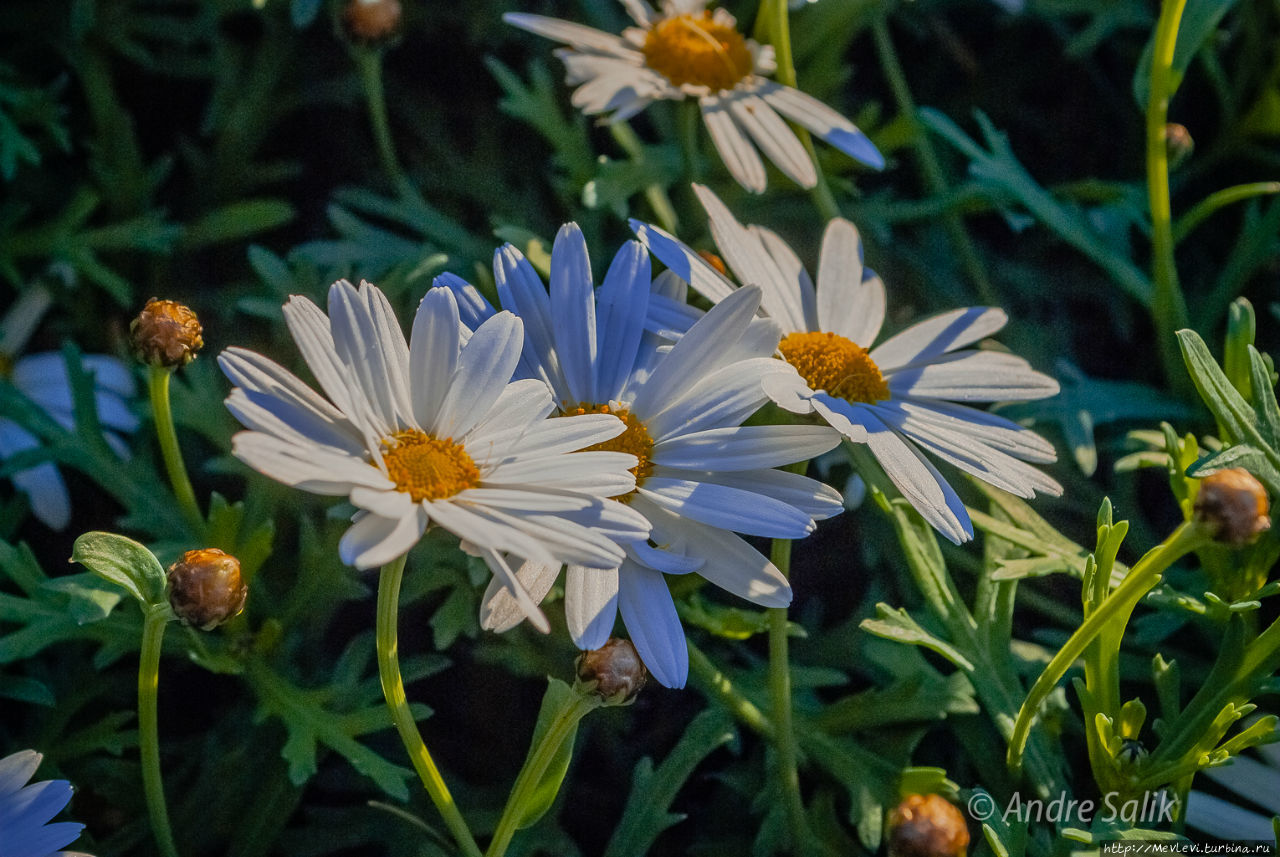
point(701, 475)
point(43, 379)
point(685, 51)
point(432, 431)
point(909, 393)
point(25, 810)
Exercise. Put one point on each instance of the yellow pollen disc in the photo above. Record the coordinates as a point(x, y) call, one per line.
point(426, 467)
point(634, 439)
point(695, 49)
point(829, 362)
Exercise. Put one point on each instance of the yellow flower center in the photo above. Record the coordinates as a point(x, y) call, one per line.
point(634, 439)
point(829, 362)
point(426, 467)
point(695, 49)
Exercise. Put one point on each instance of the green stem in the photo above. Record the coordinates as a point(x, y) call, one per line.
point(655, 193)
point(1168, 307)
point(535, 768)
point(369, 63)
point(716, 684)
point(780, 20)
point(402, 716)
point(156, 616)
point(1214, 201)
point(930, 167)
point(688, 118)
point(1117, 607)
point(158, 386)
point(784, 737)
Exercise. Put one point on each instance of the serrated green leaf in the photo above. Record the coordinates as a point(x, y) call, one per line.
point(124, 562)
point(647, 813)
point(896, 624)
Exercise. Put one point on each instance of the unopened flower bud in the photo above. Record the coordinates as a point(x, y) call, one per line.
point(1131, 752)
point(1178, 144)
point(166, 333)
point(205, 588)
point(1233, 504)
point(614, 672)
point(371, 21)
point(927, 826)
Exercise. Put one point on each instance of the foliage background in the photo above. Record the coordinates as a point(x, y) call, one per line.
point(220, 153)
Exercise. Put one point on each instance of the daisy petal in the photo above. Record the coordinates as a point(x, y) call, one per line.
point(373, 540)
point(793, 272)
point(684, 262)
point(590, 604)
point(318, 470)
point(992, 429)
point(499, 609)
point(650, 616)
point(735, 149)
point(938, 335)
point(815, 499)
point(778, 142)
point(484, 370)
point(744, 447)
point(822, 121)
point(841, 303)
point(435, 343)
point(721, 398)
point(574, 304)
point(473, 308)
point(727, 508)
point(502, 572)
point(521, 291)
point(569, 33)
point(736, 567)
point(973, 376)
point(622, 303)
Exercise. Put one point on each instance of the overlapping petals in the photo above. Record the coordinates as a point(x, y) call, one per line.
point(932, 371)
point(707, 478)
point(745, 119)
point(26, 810)
point(533, 495)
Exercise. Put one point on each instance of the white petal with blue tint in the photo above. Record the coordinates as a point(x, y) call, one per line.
point(650, 616)
point(591, 604)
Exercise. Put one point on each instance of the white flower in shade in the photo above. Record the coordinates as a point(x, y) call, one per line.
point(685, 51)
point(701, 476)
point(1256, 782)
point(432, 431)
point(43, 379)
point(909, 393)
point(25, 810)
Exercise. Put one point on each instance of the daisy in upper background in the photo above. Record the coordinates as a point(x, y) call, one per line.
point(43, 379)
point(701, 475)
point(685, 51)
point(909, 393)
point(25, 810)
point(432, 430)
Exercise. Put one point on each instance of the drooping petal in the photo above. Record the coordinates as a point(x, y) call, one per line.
point(650, 616)
point(502, 572)
point(822, 121)
point(590, 604)
point(735, 149)
point(499, 608)
point(777, 141)
point(373, 541)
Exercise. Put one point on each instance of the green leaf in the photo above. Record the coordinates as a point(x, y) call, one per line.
point(895, 624)
point(647, 812)
point(236, 221)
point(124, 562)
point(557, 721)
point(28, 690)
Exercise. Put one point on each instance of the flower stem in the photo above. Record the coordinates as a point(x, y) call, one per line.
point(930, 167)
point(535, 769)
point(156, 616)
point(369, 64)
point(717, 684)
point(655, 193)
point(1118, 606)
point(158, 387)
point(784, 738)
point(1168, 307)
point(780, 21)
point(398, 705)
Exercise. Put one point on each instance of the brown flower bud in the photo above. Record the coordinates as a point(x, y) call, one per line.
point(1233, 505)
point(166, 333)
point(614, 672)
point(927, 826)
point(1178, 144)
point(371, 21)
point(205, 588)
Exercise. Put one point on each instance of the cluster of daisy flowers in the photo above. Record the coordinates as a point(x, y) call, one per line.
point(600, 430)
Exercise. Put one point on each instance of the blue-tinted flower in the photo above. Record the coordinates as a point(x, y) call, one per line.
point(702, 476)
point(25, 810)
point(684, 51)
point(43, 379)
point(910, 392)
